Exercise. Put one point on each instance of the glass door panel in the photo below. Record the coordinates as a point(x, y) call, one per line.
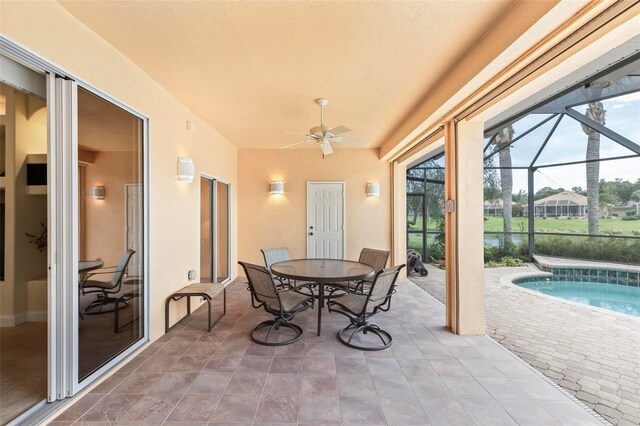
point(214, 230)
point(206, 230)
point(110, 232)
point(222, 231)
point(23, 240)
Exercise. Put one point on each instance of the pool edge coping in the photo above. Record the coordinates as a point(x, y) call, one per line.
point(568, 263)
point(508, 280)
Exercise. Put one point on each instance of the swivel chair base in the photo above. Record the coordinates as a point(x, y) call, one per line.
point(346, 336)
point(276, 324)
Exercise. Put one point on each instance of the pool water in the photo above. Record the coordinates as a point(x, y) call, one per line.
point(614, 297)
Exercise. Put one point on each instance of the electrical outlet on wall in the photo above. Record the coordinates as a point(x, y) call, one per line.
point(191, 274)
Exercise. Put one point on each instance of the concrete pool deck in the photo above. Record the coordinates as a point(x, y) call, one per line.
point(591, 353)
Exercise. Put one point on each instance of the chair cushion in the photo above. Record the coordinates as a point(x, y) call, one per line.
point(352, 301)
point(290, 299)
point(97, 284)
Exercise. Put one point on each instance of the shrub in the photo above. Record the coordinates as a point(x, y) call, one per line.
point(631, 217)
point(505, 261)
point(623, 250)
point(514, 253)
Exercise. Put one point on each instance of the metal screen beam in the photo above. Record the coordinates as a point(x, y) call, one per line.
point(521, 136)
point(616, 137)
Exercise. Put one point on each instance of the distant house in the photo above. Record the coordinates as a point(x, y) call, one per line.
point(623, 209)
point(563, 204)
point(494, 207)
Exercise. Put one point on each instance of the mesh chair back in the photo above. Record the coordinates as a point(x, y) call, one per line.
point(377, 259)
point(382, 287)
point(121, 268)
point(275, 255)
point(261, 284)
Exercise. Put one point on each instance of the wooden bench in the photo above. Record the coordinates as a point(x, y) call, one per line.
point(205, 290)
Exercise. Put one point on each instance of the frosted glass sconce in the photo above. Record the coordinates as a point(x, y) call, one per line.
point(277, 187)
point(186, 169)
point(373, 189)
point(97, 192)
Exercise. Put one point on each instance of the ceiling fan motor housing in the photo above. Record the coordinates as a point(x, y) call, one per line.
point(318, 131)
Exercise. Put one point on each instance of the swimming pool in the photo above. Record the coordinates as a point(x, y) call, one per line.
point(614, 297)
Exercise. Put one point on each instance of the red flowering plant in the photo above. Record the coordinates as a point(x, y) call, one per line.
point(40, 241)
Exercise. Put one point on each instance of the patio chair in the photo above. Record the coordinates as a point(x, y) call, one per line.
point(105, 288)
point(360, 307)
point(284, 303)
point(281, 254)
point(377, 259)
point(275, 255)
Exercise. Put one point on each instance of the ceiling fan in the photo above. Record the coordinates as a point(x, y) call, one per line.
point(323, 135)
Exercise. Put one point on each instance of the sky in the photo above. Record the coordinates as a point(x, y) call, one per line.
point(569, 143)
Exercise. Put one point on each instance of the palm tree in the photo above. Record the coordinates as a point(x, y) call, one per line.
point(596, 112)
point(502, 142)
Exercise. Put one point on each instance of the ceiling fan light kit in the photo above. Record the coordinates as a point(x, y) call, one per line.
point(323, 135)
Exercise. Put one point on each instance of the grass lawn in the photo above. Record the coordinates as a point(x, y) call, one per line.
point(570, 226)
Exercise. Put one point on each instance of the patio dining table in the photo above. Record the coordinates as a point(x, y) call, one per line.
point(85, 266)
point(321, 272)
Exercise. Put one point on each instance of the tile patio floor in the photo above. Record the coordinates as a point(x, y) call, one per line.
point(593, 354)
point(428, 376)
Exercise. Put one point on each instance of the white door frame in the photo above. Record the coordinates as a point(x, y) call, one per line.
point(344, 212)
point(62, 250)
point(126, 212)
point(214, 225)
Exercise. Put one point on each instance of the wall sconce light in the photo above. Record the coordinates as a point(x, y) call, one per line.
point(277, 187)
point(186, 169)
point(373, 189)
point(97, 192)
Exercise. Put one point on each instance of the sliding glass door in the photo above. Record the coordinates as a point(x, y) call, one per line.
point(214, 230)
point(110, 233)
point(73, 234)
point(23, 239)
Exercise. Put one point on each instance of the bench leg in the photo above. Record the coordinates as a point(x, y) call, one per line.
point(224, 301)
point(209, 314)
point(166, 315)
point(188, 305)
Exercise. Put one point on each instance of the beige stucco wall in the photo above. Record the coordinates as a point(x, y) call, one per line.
point(105, 219)
point(273, 221)
point(23, 212)
point(47, 29)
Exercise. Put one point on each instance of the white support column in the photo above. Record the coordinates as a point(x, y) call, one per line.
point(465, 282)
point(399, 222)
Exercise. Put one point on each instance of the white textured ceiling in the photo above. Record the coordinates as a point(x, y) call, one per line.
point(253, 69)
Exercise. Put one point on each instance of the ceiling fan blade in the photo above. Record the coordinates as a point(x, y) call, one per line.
point(297, 143)
point(325, 146)
point(352, 141)
point(339, 130)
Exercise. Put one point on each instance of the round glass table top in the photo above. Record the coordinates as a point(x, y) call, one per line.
point(322, 270)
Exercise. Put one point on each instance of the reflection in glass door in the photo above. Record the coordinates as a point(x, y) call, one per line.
point(110, 232)
point(23, 240)
point(214, 230)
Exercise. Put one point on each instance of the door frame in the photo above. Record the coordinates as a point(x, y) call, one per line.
point(213, 231)
point(62, 370)
point(126, 211)
point(344, 212)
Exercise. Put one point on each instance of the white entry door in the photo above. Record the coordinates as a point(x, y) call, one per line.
point(325, 220)
point(134, 221)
